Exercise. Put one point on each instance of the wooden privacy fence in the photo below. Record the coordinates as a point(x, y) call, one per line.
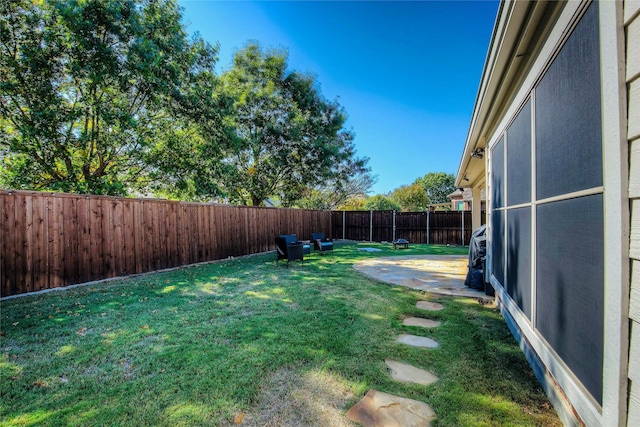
point(442, 228)
point(52, 240)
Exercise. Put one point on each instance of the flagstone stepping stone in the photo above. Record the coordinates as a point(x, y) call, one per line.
point(428, 305)
point(369, 249)
point(419, 321)
point(410, 374)
point(378, 409)
point(416, 341)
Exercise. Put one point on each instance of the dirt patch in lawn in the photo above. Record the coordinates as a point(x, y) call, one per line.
point(290, 398)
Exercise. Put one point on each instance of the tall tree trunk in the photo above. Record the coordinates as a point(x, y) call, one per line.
point(256, 201)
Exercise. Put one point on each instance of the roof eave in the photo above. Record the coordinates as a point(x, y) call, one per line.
point(507, 31)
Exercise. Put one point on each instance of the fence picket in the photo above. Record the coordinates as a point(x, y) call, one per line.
point(129, 237)
point(107, 237)
point(9, 245)
point(97, 216)
point(56, 241)
point(172, 229)
point(138, 232)
point(21, 248)
point(117, 215)
point(28, 242)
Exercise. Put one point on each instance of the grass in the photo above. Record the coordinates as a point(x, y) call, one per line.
point(248, 342)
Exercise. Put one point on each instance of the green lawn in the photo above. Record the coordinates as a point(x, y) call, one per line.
point(248, 342)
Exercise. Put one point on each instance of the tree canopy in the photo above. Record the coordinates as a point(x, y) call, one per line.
point(289, 141)
point(438, 185)
point(337, 193)
point(411, 198)
point(380, 202)
point(89, 88)
point(113, 97)
point(353, 203)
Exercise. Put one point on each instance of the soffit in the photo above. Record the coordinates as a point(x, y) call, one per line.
point(520, 30)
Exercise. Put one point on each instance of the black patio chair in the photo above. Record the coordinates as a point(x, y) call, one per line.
point(288, 251)
point(320, 243)
point(292, 238)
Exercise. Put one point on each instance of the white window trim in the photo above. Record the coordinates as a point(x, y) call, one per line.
point(616, 213)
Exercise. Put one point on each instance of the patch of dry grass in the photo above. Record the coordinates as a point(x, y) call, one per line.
point(292, 397)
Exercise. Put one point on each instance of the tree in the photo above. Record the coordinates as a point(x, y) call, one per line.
point(288, 138)
point(380, 202)
point(354, 203)
point(438, 185)
point(89, 89)
point(332, 194)
point(411, 198)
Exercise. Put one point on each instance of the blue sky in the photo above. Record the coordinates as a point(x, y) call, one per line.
point(406, 72)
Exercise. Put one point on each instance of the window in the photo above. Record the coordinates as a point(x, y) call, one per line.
point(547, 206)
point(497, 213)
point(519, 157)
point(518, 284)
point(497, 170)
point(568, 116)
point(570, 293)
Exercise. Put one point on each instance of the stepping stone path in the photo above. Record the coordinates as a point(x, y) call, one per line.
point(369, 249)
point(410, 374)
point(419, 321)
point(417, 341)
point(428, 305)
point(378, 409)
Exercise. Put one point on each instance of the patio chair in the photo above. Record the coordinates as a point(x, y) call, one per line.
point(320, 243)
point(288, 251)
point(292, 238)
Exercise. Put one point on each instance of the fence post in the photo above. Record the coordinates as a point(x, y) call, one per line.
point(344, 223)
point(394, 225)
point(371, 225)
point(462, 213)
point(427, 226)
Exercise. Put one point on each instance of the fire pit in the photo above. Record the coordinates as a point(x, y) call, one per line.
point(400, 243)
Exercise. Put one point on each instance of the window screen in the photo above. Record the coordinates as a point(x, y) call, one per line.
point(519, 158)
point(497, 170)
point(569, 284)
point(567, 252)
point(568, 125)
point(497, 245)
point(518, 283)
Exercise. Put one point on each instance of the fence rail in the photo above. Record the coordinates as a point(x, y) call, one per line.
point(52, 240)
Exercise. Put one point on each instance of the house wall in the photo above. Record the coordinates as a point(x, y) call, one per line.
point(521, 251)
point(632, 31)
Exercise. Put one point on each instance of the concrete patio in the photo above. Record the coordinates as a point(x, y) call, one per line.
point(439, 274)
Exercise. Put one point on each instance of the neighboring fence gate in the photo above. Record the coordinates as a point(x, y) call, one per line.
point(437, 228)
